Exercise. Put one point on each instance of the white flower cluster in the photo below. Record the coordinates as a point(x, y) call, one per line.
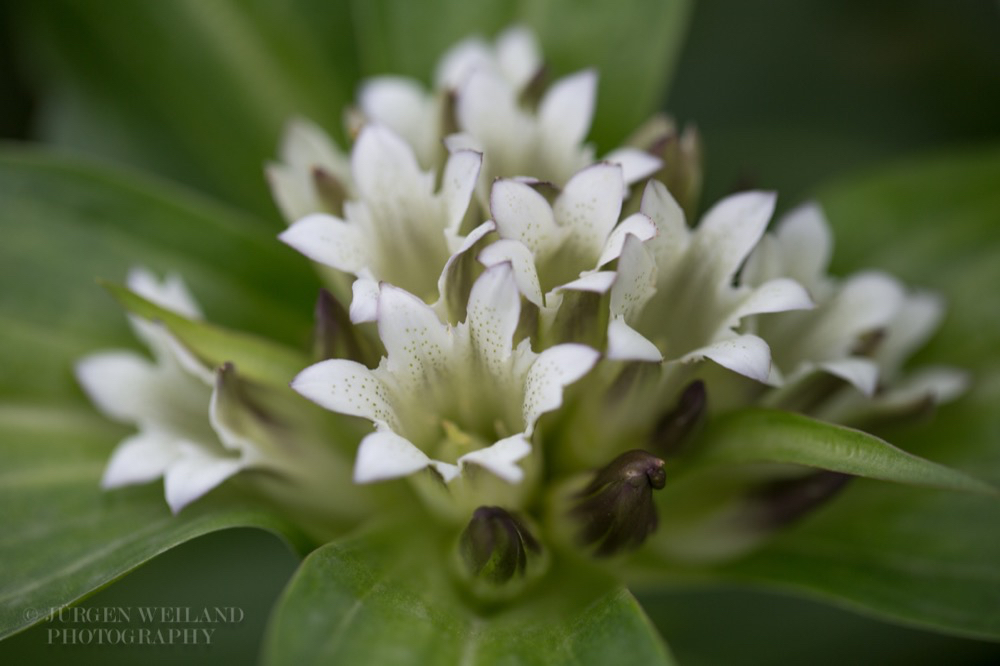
point(501, 262)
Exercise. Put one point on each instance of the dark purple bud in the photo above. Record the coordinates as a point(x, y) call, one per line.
point(786, 501)
point(333, 334)
point(494, 545)
point(675, 428)
point(330, 191)
point(616, 510)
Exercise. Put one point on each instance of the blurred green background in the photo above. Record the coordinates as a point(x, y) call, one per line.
point(786, 94)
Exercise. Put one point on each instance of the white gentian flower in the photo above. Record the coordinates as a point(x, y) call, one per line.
point(398, 229)
point(419, 116)
point(546, 143)
point(830, 337)
point(313, 174)
point(449, 398)
point(559, 247)
point(188, 428)
point(676, 296)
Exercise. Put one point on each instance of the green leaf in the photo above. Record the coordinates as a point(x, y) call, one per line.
point(62, 536)
point(925, 559)
point(385, 598)
point(257, 358)
point(207, 109)
point(770, 436)
point(66, 223)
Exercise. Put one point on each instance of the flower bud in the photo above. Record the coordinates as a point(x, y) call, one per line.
point(329, 190)
point(494, 545)
point(675, 428)
point(680, 152)
point(334, 336)
point(616, 510)
point(783, 502)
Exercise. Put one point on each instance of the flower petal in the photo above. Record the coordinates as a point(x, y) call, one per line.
point(402, 105)
point(456, 277)
point(636, 164)
point(627, 344)
point(865, 303)
point(493, 311)
point(328, 240)
point(305, 146)
point(554, 369)
point(917, 318)
point(140, 458)
point(364, 300)
point(780, 295)
point(672, 235)
point(382, 163)
point(862, 373)
point(567, 109)
point(346, 387)
point(171, 293)
point(460, 61)
point(195, 473)
point(291, 192)
point(385, 455)
point(522, 262)
point(597, 282)
point(637, 225)
point(589, 206)
point(635, 281)
point(728, 232)
point(458, 183)
point(747, 355)
point(418, 345)
point(518, 56)
point(115, 382)
point(501, 458)
point(524, 215)
point(806, 243)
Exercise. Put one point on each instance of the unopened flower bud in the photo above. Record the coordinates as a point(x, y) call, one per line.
point(784, 502)
point(329, 190)
point(494, 545)
point(333, 334)
point(616, 510)
point(680, 152)
point(675, 428)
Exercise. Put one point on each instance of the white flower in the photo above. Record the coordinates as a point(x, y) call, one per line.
point(830, 337)
point(445, 397)
point(313, 174)
point(398, 229)
point(419, 116)
point(546, 143)
point(187, 433)
point(676, 297)
point(862, 330)
point(562, 246)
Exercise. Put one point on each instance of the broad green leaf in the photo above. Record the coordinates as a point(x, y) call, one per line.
point(923, 558)
point(66, 223)
point(771, 436)
point(257, 358)
point(196, 91)
point(61, 536)
point(386, 599)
